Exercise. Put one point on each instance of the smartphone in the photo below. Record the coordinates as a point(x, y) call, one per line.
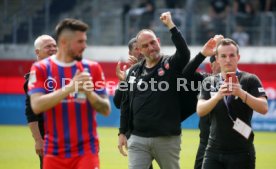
point(231, 77)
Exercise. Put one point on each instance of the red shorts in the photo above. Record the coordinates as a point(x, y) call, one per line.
point(87, 161)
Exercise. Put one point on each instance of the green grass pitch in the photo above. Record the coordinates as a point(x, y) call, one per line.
point(17, 149)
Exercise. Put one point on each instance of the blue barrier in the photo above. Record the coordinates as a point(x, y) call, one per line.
point(266, 122)
point(12, 109)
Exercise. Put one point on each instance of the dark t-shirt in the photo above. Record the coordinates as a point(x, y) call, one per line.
point(156, 110)
point(223, 138)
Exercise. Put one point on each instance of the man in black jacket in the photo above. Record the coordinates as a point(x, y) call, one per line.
point(133, 58)
point(45, 46)
point(204, 122)
point(194, 78)
point(151, 104)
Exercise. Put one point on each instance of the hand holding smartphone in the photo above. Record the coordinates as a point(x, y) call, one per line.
point(231, 78)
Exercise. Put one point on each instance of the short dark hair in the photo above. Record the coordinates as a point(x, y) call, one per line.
point(212, 59)
point(130, 43)
point(71, 25)
point(225, 42)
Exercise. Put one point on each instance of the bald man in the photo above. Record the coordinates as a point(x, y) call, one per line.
point(44, 46)
point(153, 114)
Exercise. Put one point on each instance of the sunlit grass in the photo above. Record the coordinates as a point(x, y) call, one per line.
point(17, 149)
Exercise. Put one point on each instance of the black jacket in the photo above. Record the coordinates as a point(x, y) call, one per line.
point(155, 113)
point(193, 78)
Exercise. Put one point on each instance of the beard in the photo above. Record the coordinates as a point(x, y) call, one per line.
point(78, 58)
point(140, 57)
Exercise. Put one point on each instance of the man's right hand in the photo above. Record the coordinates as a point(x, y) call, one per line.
point(210, 46)
point(218, 38)
point(132, 60)
point(39, 147)
point(78, 81)
point(121, 74)
point(166, 18)
point(122, 143)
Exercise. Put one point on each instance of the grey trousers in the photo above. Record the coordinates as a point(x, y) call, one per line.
point(165, 150)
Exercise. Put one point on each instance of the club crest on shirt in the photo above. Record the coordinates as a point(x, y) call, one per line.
point(161, 72)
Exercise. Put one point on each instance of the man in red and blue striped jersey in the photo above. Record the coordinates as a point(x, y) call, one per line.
point(69, 90)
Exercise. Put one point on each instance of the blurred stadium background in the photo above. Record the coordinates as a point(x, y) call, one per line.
point(113, 23)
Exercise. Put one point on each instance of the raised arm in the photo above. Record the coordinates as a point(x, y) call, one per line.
point(182, 54)
point(207, 50)
point(189, 71)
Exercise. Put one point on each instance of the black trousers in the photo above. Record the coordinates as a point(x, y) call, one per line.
point(214, 160)
point(200, 155)
point(41, 161)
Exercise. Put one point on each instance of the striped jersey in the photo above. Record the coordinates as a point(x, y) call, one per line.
point(70, 126)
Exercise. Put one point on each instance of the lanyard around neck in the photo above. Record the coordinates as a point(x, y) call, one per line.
point(228, 99)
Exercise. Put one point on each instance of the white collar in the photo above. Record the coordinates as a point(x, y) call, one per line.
point(62, 64)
